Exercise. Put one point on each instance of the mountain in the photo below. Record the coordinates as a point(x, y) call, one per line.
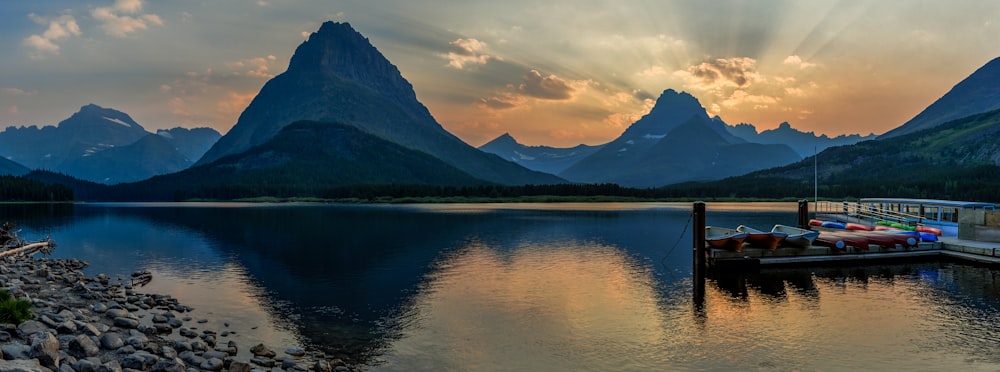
point(305, 158)
point(804, 143)
point(105, 145)
point(11, 168)
point(338, 76)
point(957, 160)
point(540, 158)
point(978, 93)
point(676, 141)
point(192, 143)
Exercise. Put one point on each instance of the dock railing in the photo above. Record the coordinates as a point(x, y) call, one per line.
point(867, 212)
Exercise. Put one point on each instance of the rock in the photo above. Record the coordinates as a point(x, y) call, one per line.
point(31, 327)
point(87, 365)
point(26, 365)
point(163, 328)
point(112, 341)
point(167, 365)
point(174, 322)
point(187, 333)
point(116, 313)
point(341, 369)
point(5, 336)
point(182, 346)
point(15, 350)
point(67, 327)
point(263, 361)
point(261, 350)
point(209, 339)
point(287, 363)
point(198, 346)
point(160, 318)
point(191, 358)
point(48, 321)
point(88, 329)
point(110, 366)
point(46, 350)
point(239, 367)
point(202, 321)
point(82, 346)
point(168, 352)
point(295, 351)
point(99, 307)
point(212, 364)
point(141, 360)
point(126, 322)
point(322, 366)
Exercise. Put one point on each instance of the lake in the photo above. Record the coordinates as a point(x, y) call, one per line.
point(603, 286)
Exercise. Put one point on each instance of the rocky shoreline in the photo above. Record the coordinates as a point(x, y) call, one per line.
point(96, 324)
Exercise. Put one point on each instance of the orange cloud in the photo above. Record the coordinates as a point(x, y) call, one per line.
point(466, 51)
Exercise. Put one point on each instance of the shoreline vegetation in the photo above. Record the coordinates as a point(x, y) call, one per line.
point(102, 324)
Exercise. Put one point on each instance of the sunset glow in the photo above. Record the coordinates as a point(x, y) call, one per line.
point(558, 73)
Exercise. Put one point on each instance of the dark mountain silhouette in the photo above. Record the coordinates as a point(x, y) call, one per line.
point(192, 143)
point(11, 168)
point(540, 158)
point(305, 158)
point(104, 145)
point(338, 76)
point(978, 93)
point(957, 160)
point(675, 142)
point(804, 143)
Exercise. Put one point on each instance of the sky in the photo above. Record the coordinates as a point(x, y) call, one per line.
point(557, 73)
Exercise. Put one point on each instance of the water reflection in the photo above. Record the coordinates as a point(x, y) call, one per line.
point(487, 287)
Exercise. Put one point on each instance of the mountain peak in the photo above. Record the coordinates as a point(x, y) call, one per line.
point(338, 49)
point(91, 115)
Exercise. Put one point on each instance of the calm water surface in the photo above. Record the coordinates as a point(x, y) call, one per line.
point(528, 287)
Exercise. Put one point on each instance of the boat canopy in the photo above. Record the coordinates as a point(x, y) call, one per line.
point(929, 202)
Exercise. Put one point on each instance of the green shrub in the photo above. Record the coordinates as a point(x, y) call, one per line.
point(12, 310)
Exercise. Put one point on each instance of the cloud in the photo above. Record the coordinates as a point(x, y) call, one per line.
point(12, 110)
point(500, 102)
point(124, 18)
point(44, 44)
point(797, 61)
point(466, 51)
point(546, 87)
point(256, 67)
point(16, 92)
point(721, 73)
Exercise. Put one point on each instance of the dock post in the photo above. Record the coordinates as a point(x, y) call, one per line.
point(699, 253)
point(803, 216)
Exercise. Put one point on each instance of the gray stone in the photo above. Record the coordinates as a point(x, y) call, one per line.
point(295, 351)
point(110, 366)
point(168, 352)
point(112, 341)
point(174, 322)
point(322, 366)
point(126, 322)
point(87, 328)
point(67, 327)
point(140, 360)
point(116, 313)
point(191, 358)
point(31, 327)
point(82, 346)
point(5, 336)
point(167, 365)
point(100, 307)
point(26, 365)
point(160, 318)
point(197, 346)
point(212, 364)
point(187, 333)
point(239, 367)
point(46, 350)
point(48, 321)
point(87, 365)
point(263, 361)
point(182, 346)
point(163, 328)
point(341, 369)
point(261, 350)
point(287, 363)
point(14, 350)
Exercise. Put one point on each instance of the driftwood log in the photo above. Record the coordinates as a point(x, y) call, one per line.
point(28, 249)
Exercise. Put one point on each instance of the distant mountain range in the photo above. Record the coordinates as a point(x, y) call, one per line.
point(928, 157)
point(804, 143)
point(338, 76)
point(723, 150)
point(104, 145)
point(978, 93)
point(540, 158)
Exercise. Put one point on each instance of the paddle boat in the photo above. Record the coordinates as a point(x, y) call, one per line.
point(725, 238)
point(763, 239)
point(797, 237)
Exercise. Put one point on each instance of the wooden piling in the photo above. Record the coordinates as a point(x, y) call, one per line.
point(802, 220)
point(699, 253)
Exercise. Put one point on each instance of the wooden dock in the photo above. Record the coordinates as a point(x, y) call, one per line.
point(981, 252)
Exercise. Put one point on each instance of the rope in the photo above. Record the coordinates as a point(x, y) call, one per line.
point(679, 238)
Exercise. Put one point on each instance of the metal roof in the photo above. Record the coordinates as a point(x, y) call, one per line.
point(929, 202)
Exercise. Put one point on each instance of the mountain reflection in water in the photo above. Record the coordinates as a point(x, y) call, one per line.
point(546, 286)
